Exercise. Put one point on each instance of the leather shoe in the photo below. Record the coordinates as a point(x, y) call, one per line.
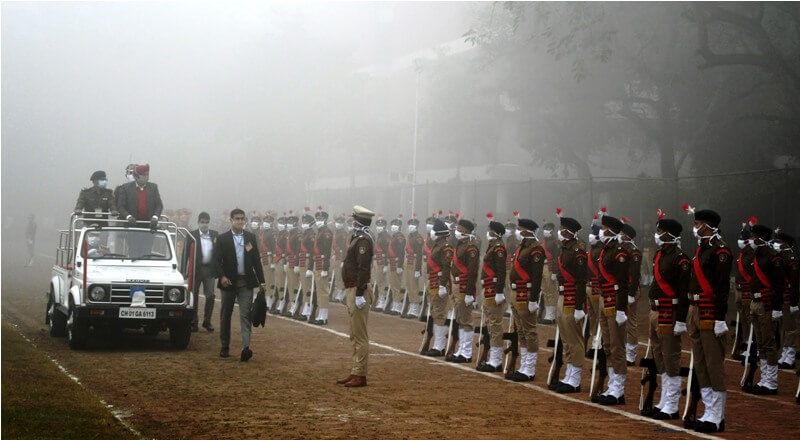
point(208, 326)
point(357, 381)
point(608, 400)
point(460, 360)
point(649, 412)
point(319, 322)
point(761, 391)
point(661, 415)
point(565, 388)
point(487, 368)
point(434, 353)
point(552, 386)
point(786, 366)
point(224, 353)
point(345, 380)
point(689, 423)
point(519, 377)
point(709, 427)
point(246, 354)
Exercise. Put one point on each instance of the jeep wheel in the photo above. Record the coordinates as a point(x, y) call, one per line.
point(179, 334)
point(55, 320)
point(77, 330)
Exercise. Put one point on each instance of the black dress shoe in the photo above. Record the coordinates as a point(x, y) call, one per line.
point(548, 321)
point(487, 368)
point(596, 398)
point(434, 353)
point(762, 391)
point(608, 400)
point(630, 364)
point(661, 415)
point(208, 326)
point(319, 322)
point(552, 386)
point(301, 318)
point(649, 412)
point(785, 366)
point(461, 360)
point(194, 328)
point(450, 358)
point(519, 377)
point(565, 388)
point(709, 427)
point(224, 353)
point(689, 423)
point(246, 354)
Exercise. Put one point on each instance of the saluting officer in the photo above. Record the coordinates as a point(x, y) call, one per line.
point(356, 273)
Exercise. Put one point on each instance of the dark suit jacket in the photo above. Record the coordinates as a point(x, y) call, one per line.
point(198, 254)
point(128, 201)
point(225, 257)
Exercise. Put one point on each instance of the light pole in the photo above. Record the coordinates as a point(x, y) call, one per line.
point(417, 69)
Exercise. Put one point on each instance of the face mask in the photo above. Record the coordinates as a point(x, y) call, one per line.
point(281, 227)
point(489, 236)
point(604, 235)
point(658, 239)
point(518, 234)
point(753, 244)
point(320, 223)
point(561, 236)
point(350, 229)
point(253, 225)
point(429, 227)
point(695, 231)
point(394, 228)
point(141, 180)
point(459, 235)
point(379, 229)
point(449, 225)
point(433, 235)
point(776, 246)
point(742, 243)
point(592, 239)
point(130, 177)
point(266, 226)
point(289, 227)
point(338, 225)
point(548, 233)
point(508, 233)
point(93, 241)
point(102, 183)
point(412, 228)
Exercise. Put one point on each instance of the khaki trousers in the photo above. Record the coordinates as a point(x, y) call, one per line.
point(280, 279)
point(462, 313)
point(358, 330)
point(632, 334)
point(337, 281)
point(594, 298)
point(293, 283)
point(323, 289)
point(789, 330)
point(570, 334)
point(764, 332)
point(743, 307)
point(395, 282)
point(525, 323)
point(439, 306)
point(549, 288)
point(665, 346)
point(614, 342)
point(412, 285)
point(493, 314)
point(305, 283)
point(708, 351)
point(269, 276)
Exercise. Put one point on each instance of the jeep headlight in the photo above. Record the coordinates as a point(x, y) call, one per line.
point(97, 293)
point(175, 294)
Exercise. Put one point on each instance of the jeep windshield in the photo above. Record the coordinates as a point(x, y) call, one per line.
point(126, 244)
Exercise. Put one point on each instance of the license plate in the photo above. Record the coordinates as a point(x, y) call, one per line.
point(137, 313)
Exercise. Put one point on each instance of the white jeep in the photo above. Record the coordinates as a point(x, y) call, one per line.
point(121, 276)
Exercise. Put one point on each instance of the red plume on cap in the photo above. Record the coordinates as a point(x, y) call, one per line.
point(306, 209)
point(451, 212)
point(458, 215)
point(558, 212)
point(624, 219)
point(380, 215)
point(595, 218)
point(603, 210)
point(440, 212)
point(319, 208)
point(399, 215)
point(661, 213)
point(516, 214)
point(489, 216)
point(753, 220)
point(414, 214)
point(688, 208)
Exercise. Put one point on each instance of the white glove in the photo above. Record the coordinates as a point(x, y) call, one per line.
point(631, 299)
point(442, 291)
point(417, 274)
point(720, 328)
point(579, 314)
point(297, 269)
point(385, 269)
point(469, 299)
point(679, 328)
point(360, 302)
point(776, 315)
point(499, 298)
point(533, 306)
point(272, 266)
point(621, 317)
point(324, 274)
point(793, 309)
point(285, 267)
point(399, 270)
point(341, 265)
point(553, 276)
point(309, 274)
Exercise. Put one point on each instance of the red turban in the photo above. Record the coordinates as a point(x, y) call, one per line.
point(142, 169)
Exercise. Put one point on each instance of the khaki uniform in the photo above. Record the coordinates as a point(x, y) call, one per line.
point(356, 275)
point(266, 244)
point(413, 264)
point(441, 257)
point(396, 254)
point(790, 323)
point(744, 263)
point(292, 257)
point(493, 280)
point(634, 280)
point(572, 265)
point(613, 268)
point(594, 297)
point(306, 262)
point(96, 199)
point(322, 263)
point(526, 285)
point(669, 303)
point(279, 259)
point(768, 286)
point(465, 275)
point(338, 248)
point(550, 274)
point(381, 265)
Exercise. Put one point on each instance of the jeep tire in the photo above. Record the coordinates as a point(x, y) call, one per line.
point(77, 330)
point(179, 334)
point(55, 320)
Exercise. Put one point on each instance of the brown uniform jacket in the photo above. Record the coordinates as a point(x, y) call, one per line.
point(414, 249)
point(292, 247)
point(307, 248)
point(358, 262)
point(614, 259)
point(266, 243)
point(792, 270)
point(494, 260)
point(439, 264)
point(675, 271)
point(572, 260)
point(397, 250)
point(465, 266)
point(528, 263)
point(714, 259)
point(382, 248)
point(771, 264)
point(635, 267)
point(339, 243)
point(743, 268)
point(322, 248)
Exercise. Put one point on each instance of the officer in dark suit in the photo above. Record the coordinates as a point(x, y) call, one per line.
point(238, 266)
point(205, 269)
point(96, 198)
point(140, 200)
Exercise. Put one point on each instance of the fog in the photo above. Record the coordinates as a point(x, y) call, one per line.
point(285, 105)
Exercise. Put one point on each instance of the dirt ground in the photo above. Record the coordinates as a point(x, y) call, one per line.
point(288, 390)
